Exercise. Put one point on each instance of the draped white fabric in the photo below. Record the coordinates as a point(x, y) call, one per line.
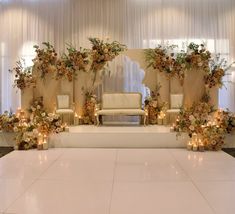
point(137, 23)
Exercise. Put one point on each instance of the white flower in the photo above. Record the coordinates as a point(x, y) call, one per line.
point(191, 117)
point(43, 114)
point(38, 106)
point(58, 130)
point(35, 131)
point(154, 104)
point(56, 116)
point(191, 128)
point(200, 64)
point(16, 129)
point(27, 139)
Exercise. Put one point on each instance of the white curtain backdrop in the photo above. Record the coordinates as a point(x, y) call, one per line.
point(137, 23)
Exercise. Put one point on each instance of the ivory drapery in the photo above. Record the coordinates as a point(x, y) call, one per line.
point(136, 23)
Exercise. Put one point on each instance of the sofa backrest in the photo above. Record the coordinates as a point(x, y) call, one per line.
point(122, 101)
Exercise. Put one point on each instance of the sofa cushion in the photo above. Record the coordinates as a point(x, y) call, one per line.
point(121, 112)
point(173, 111)
point(122, 101)
point(64, 111)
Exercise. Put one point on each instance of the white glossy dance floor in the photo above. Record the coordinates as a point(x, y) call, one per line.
point(117, 181)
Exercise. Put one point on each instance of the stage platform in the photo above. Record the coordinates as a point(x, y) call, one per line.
point(114, 136)
point(118, 137)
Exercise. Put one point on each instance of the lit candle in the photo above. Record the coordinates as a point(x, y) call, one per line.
point(40, 142)
point(159, 121)
point(194, 138)
point(201, 146)
point(76, 119)
point(189, 146)
point(172, 128)
point(45, 143)
point(195, 147)
point(66, 128)
point(80, 121)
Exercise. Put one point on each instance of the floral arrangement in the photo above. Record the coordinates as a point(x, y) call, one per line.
point(213, 137)
point(218, 68)
point(198, 57)
point(69, 63)
point(191, 120)
point(8, 121)
point(204, 121)
point(103, 52)
point(23, 76)
point(163, 59)
point(169, 64)
point(154, 106)
point(46, 122)
point(89, 108)
point(27, 129)
point(26, 135)
point(46, 59)
point(226, 120)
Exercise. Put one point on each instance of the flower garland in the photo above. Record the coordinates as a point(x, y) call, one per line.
point(23, 76)
point(154, 106)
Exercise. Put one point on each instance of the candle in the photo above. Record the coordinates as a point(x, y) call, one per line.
point(159, 121)
point(76, 120)
point(40, 142)
point(45, 143)
point(164, 120)
point(201, 146)
point(80, 121)
point(189, 146)
point(40, 146)
point(195, 147)
point(66, 128)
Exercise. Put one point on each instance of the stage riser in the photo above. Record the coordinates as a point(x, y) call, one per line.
point(117, 140)
point(124, 140)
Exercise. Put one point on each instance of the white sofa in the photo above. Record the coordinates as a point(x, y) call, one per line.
point(121, 104)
